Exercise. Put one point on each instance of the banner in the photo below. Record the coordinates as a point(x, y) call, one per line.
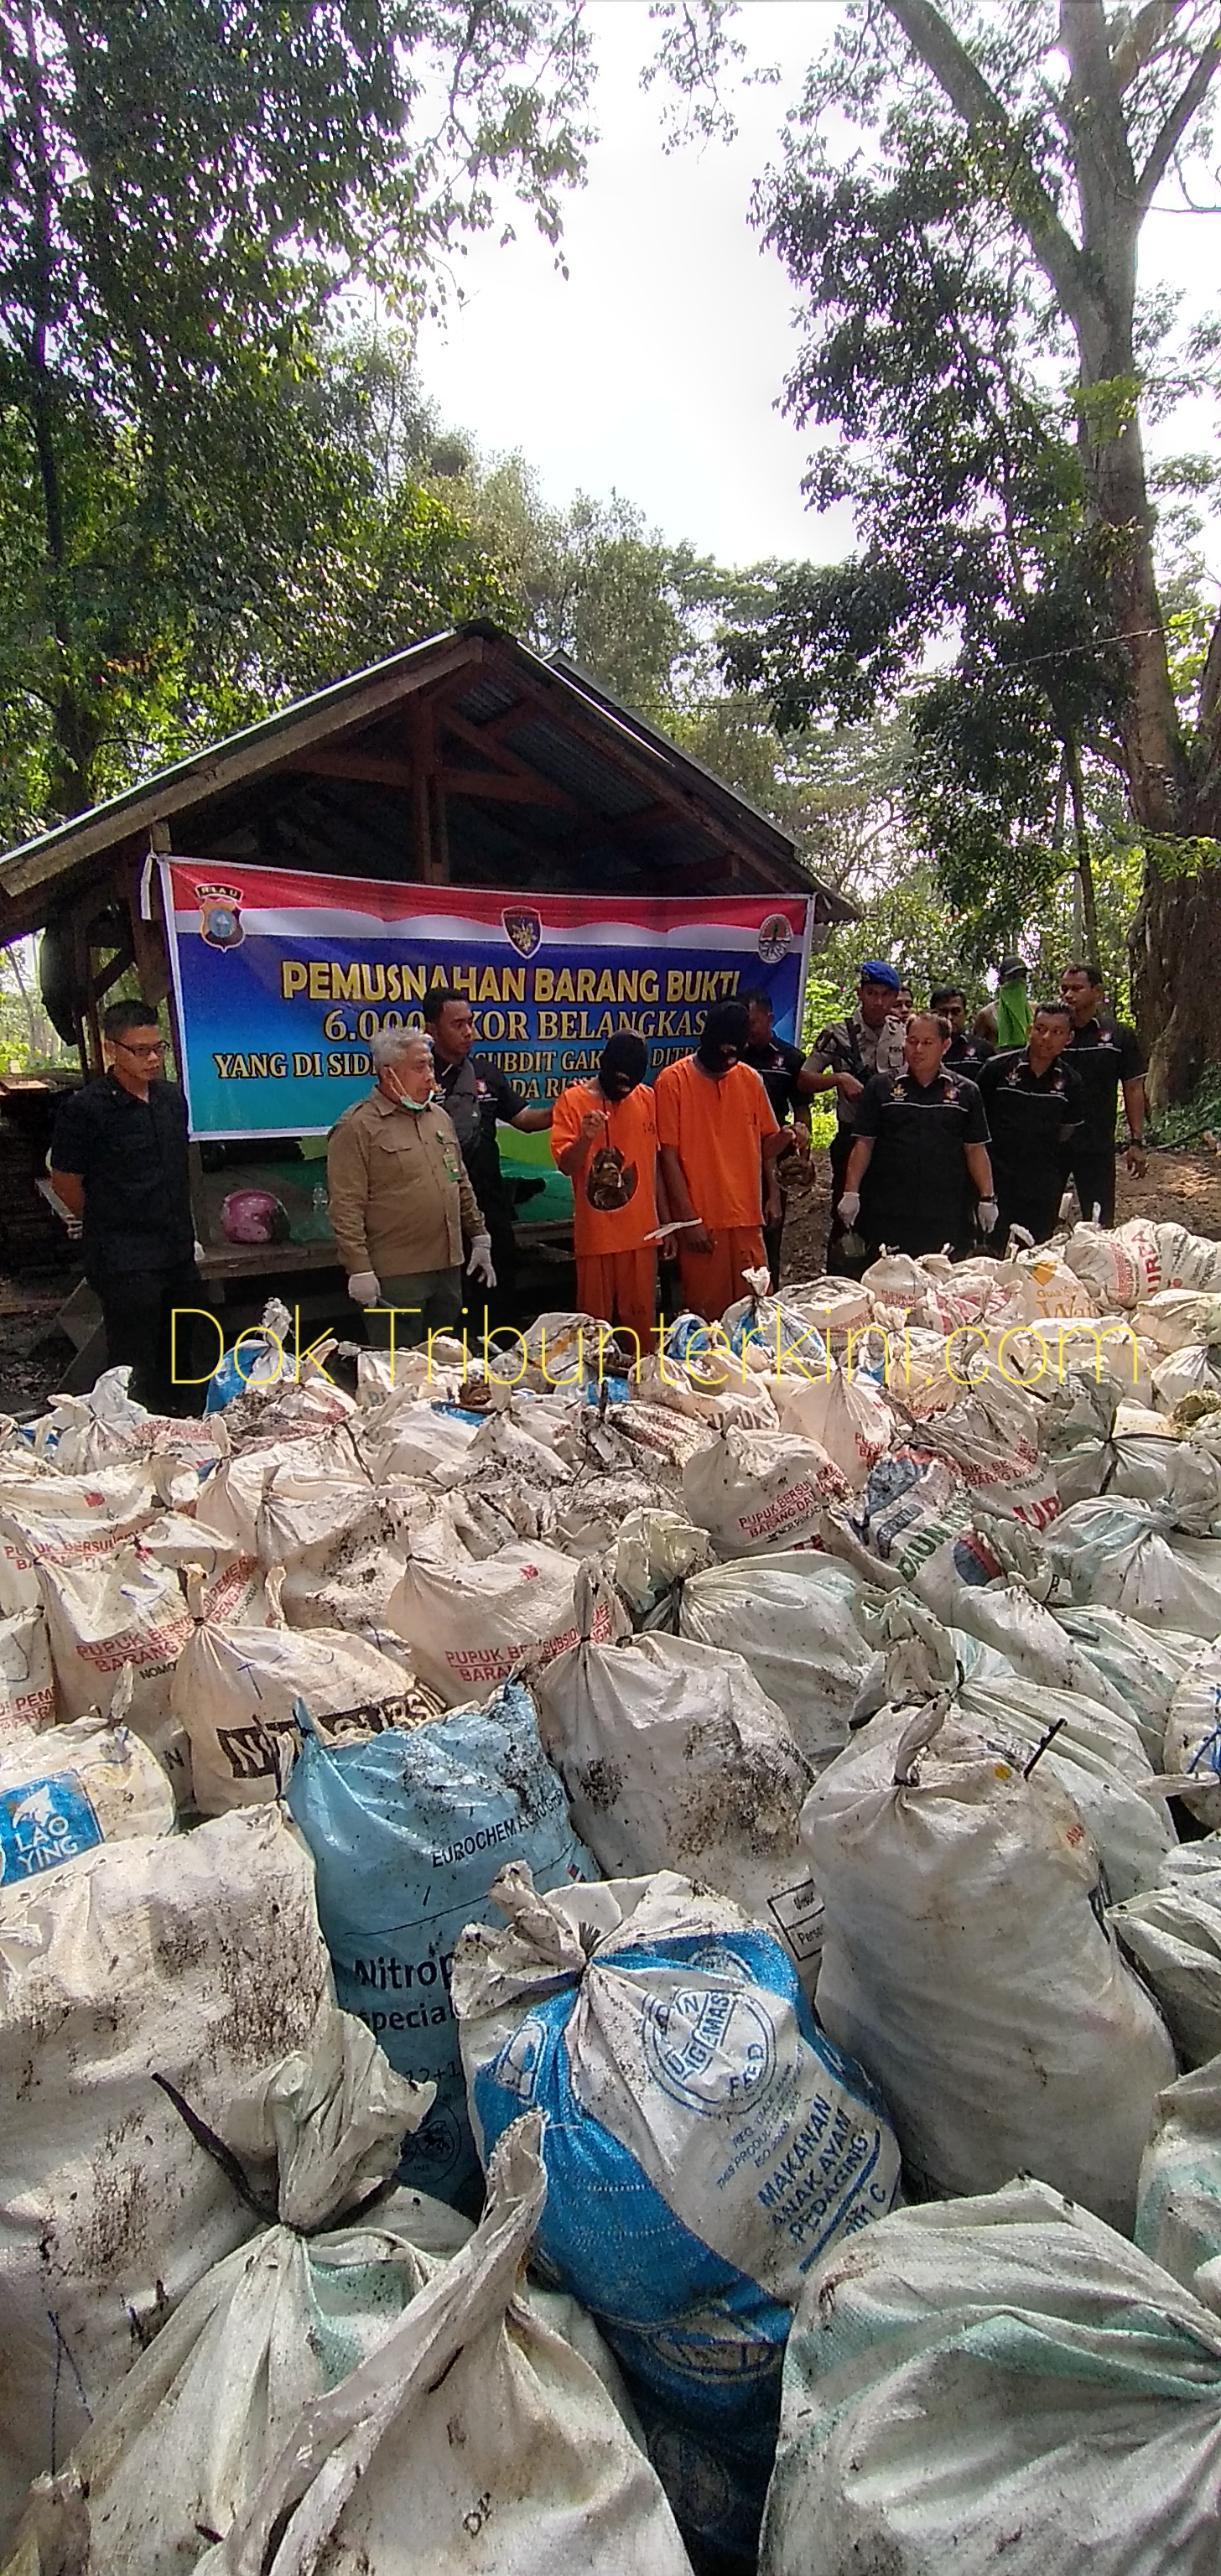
point(281, 980)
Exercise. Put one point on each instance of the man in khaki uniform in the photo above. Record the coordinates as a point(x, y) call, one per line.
point(401, 1201)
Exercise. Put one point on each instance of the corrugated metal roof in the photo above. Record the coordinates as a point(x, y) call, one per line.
point(259, 781)
point(490, 698)
point(568, 762)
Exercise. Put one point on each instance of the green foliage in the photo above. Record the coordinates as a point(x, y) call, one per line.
point(28, 1043)
point(188, 187)
point(1200, 1115)
point(961, 219)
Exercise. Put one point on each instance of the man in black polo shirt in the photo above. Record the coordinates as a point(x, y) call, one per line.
point(790, 1089)
point(119, 1163)
point(1034, 1104)
point(478, 1097)
point(1105, 1055)
point(919, 1177)
point(964, 1054)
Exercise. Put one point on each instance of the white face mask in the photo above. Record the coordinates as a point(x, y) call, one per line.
point(403, 1100)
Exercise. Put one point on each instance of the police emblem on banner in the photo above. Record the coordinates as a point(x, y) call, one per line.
point(524, 927)
point(220, 915)
point(775, 938)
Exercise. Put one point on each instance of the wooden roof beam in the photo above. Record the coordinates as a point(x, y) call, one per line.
point(526, 790)
point(643, 766)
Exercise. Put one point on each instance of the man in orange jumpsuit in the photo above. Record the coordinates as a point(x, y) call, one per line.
point(604, 1138)
point(719, 1141)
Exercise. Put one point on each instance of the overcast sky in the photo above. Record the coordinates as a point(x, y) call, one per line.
point(655, 367)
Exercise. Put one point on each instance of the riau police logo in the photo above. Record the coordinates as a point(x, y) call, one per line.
point(523, 925)
point(220, 915)
point(775, 938)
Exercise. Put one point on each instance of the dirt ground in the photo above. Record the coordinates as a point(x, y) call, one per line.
point(34, 1355)
point(1178, 1188)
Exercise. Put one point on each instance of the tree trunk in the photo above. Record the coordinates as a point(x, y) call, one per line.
point(1174, 945)
point(1175, 934)
point(1081, 838)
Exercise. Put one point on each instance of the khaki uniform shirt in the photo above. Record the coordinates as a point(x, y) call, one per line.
point(849, 1046)
point(398, 1188)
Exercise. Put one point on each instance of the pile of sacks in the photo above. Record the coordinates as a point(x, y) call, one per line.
point(588, 1959)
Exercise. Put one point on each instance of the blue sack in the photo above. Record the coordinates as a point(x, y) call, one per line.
point(703, 2144)
point(252, 1360)
point(408, 1832)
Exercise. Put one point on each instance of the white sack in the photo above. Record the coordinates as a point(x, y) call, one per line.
point(1188, 1260)
point(1118, 1554)
point(965, 1965)
point(709, 1387)
point(128, 1611)
point(1192, 1743)
point(1120, 1266)
point(654, 1551)
point(791, 1616)
point(843, 1415)
point(1098, 1760)
point(234, 1495)
point(999, 2384)
point(27, 1682)
point(755, 1491)
point(1045, 1286)
point(235, 1687)
point(1183, 1373)
point(260, 2353)
point(1143, 1665)
point(1032, 1640)
point(672, 1758)
point(1173, 1931)
point(197, 1957)
point(1177, 1318)
point(68, 1521)
point(1178, 2222)
point(73, 1787)
point(469, 1626)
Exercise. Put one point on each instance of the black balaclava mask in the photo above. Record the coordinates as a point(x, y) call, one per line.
point(726, 1032)
point(623, 1063)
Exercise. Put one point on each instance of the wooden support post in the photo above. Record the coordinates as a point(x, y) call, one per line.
point(430, 856)
point(440, 829)
point(423, 753)
point(148, 947)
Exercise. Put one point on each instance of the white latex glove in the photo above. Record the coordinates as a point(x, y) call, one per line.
point(480, 1264)
point(989, 1215)
point(849, 1207)
point(364, 1288)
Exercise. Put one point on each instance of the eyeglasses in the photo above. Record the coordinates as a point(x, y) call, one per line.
point(129, 1049)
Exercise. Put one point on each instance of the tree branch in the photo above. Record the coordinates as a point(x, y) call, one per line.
point(930, 37)
point(1141, 40)
point(1191, 97)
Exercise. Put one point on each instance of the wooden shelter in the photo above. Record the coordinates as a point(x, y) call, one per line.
point(466, 760)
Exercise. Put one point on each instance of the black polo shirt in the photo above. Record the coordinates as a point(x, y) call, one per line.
point(1103, 1054)
point(917, 1193)
point(777, 1065)
point(965, 1054)
point(476, 1119)
point(132, 1157)
point(1032, 1116)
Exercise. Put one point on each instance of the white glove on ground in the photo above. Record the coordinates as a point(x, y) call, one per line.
point(480, 1264)
point(989, 1215)
point(364, 1288)
point(849, 1207)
